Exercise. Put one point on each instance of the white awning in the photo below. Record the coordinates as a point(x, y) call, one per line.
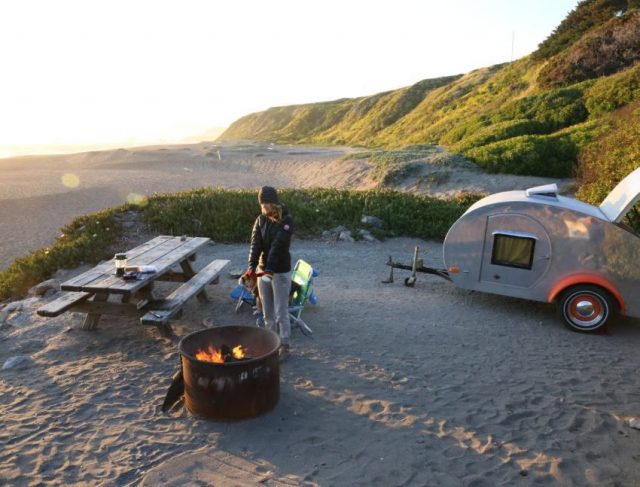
point(616, 205)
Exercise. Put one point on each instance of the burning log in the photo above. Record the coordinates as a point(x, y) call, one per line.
point(224, 354)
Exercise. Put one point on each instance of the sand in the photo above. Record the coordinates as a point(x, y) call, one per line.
point(429, 385)
point(398, 386)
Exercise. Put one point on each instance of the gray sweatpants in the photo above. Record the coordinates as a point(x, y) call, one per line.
point(275, 304)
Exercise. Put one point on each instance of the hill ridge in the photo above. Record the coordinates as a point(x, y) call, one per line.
point(535, 116)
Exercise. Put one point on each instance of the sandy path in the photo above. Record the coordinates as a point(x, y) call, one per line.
point(398, 386)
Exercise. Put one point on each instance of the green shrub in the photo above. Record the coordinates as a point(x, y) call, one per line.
point(583, 133)
point(553, 109)
point(465, 129)
point(227, 216)
point(499, 131)
point(532, 155)
point(604, 50)
point(612, 155)
point(89, 239)
point(542, 113)
point(612, 92)
point(588, 14)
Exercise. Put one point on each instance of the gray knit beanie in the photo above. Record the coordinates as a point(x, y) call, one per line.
point(268, 194)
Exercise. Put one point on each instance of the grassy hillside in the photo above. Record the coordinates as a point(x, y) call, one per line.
point(352, 121)
point(544, 115)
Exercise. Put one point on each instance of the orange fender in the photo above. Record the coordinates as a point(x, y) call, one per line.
point(585, 278)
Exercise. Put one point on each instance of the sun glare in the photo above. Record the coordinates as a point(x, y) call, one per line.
point(194, 68)
point(70, 180)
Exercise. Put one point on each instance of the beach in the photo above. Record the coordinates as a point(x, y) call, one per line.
point(397, 386)
point(430, 385)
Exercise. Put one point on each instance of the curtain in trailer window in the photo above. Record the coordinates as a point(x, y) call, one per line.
point(512, 251)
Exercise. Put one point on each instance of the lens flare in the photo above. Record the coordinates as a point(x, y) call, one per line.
point(70, 180)
point(137, 199)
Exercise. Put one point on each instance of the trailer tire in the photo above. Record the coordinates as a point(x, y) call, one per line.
point(585, 308)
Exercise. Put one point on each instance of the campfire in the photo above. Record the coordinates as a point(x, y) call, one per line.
point(230, 372)
point(224, 354)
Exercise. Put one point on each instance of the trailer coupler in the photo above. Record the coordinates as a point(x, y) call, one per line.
point(416, 266)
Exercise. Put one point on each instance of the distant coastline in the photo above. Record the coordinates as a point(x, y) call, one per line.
point(18, 150)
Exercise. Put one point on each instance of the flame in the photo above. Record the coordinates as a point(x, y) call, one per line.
point(215, 355)
point(210, 355)
point(238, 352)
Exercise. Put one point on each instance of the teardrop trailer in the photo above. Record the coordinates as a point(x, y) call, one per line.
point(538, 245)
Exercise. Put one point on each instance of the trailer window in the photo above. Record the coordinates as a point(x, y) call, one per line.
point(512, 251)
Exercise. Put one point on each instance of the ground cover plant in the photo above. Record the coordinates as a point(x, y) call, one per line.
point(88, 238)
point(610, 156)
point(227, 216)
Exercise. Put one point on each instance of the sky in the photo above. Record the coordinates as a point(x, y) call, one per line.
point(91, 72)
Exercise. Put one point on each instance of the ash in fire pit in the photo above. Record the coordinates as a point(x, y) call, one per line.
point(230, 382)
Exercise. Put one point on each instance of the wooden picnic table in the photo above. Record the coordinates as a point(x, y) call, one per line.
point(99, 291)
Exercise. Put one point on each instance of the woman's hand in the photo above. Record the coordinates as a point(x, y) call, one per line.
point(249, 274)
point(266, 276)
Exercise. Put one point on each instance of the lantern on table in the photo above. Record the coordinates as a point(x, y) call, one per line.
point(121, 262)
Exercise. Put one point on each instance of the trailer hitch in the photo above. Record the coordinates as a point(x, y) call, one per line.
point(417, 265)
point(411, 280)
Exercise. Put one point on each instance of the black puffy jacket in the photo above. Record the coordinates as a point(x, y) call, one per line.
point(270, 243)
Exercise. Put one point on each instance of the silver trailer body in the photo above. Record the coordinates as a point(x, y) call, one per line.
point(538, 245)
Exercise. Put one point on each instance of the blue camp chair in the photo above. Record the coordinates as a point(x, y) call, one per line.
point(243, 295)
point(301, 293)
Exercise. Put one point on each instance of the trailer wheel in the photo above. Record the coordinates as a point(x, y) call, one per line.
point(585, 308)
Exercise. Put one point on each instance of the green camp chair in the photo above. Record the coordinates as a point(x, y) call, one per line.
point(301, 293)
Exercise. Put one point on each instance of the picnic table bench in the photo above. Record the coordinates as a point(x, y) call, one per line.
point(99, 291)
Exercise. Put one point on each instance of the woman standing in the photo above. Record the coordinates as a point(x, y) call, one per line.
point(269, 257)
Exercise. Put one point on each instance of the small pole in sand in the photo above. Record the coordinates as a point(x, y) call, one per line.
point(389, 280)
point(219, 156)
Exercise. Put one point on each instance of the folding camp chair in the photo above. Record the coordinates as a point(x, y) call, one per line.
point(301, 293)
point(243, 294)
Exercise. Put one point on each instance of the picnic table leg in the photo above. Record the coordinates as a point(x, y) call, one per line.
point(189, 272)
point(91, 321)
point(146, 296)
